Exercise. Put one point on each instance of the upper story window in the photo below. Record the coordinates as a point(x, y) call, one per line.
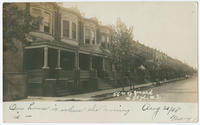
point(46, 21)
point(46, 25)
point(36, 13)
point(103, 39)
point(108, 39)
point(93, 37)
point(73, 31)
point(90, 36)
point(69, 27)
point(66, 28)
point(87, 36)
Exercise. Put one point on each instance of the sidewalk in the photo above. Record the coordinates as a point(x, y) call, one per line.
point(91, 96)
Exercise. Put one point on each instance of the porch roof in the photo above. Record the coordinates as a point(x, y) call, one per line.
point(92, 50)
point(52, 44)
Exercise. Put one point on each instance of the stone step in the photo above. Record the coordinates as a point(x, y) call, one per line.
point(63, 88)
point(104, 84)
point(63, 93)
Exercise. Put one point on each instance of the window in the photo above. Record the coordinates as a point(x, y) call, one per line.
point(46, 21)
point(103, 39)
point(93, 37)
point(66, 28)
point(107, 38)
point(73, 31)
point(45, 26)
point(87, 36)
point(36, 13)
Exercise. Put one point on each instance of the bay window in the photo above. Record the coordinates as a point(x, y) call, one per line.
point(45, 26)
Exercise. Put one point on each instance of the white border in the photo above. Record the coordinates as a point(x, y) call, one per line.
point(1, 39)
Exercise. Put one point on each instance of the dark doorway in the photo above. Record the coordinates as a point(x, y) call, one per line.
point(67, 60)
point(52, 62)
point(84, 61)
point(97, 65)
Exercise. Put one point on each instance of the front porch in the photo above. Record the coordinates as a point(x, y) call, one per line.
point(57, 71)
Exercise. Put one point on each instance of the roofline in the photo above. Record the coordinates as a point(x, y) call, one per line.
point(71, 11)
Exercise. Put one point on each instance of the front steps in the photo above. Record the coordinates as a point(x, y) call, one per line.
point(64, 87)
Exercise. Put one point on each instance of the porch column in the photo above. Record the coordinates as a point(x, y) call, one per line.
point(113, 67)
point(45, 66)
point(95, 36)
point(129, 67)
point(103, 64)
point(84, 33)
point(90, 62)
point(58, 60)
point(90, 37)
point(70, 31)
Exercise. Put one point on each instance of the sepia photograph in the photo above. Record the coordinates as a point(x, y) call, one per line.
point(95, 58)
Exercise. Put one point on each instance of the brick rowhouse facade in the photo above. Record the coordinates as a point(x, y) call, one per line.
point(64, 57)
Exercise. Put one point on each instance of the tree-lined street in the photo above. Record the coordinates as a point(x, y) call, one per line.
point(179, 91)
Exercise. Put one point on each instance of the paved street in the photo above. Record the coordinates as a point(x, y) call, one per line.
point(179, 91)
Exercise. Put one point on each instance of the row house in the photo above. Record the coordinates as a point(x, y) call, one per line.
point(64, 55)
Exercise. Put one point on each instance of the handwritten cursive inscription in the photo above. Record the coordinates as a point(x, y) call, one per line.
point(29, 110)
point(171, 111)
point(32, 106)
point(148, 107)
point(15, 107)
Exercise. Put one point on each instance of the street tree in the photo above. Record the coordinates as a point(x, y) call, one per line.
point(17, 23)
point(121, 48)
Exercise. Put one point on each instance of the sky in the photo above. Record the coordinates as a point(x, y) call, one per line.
point(171, 27)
